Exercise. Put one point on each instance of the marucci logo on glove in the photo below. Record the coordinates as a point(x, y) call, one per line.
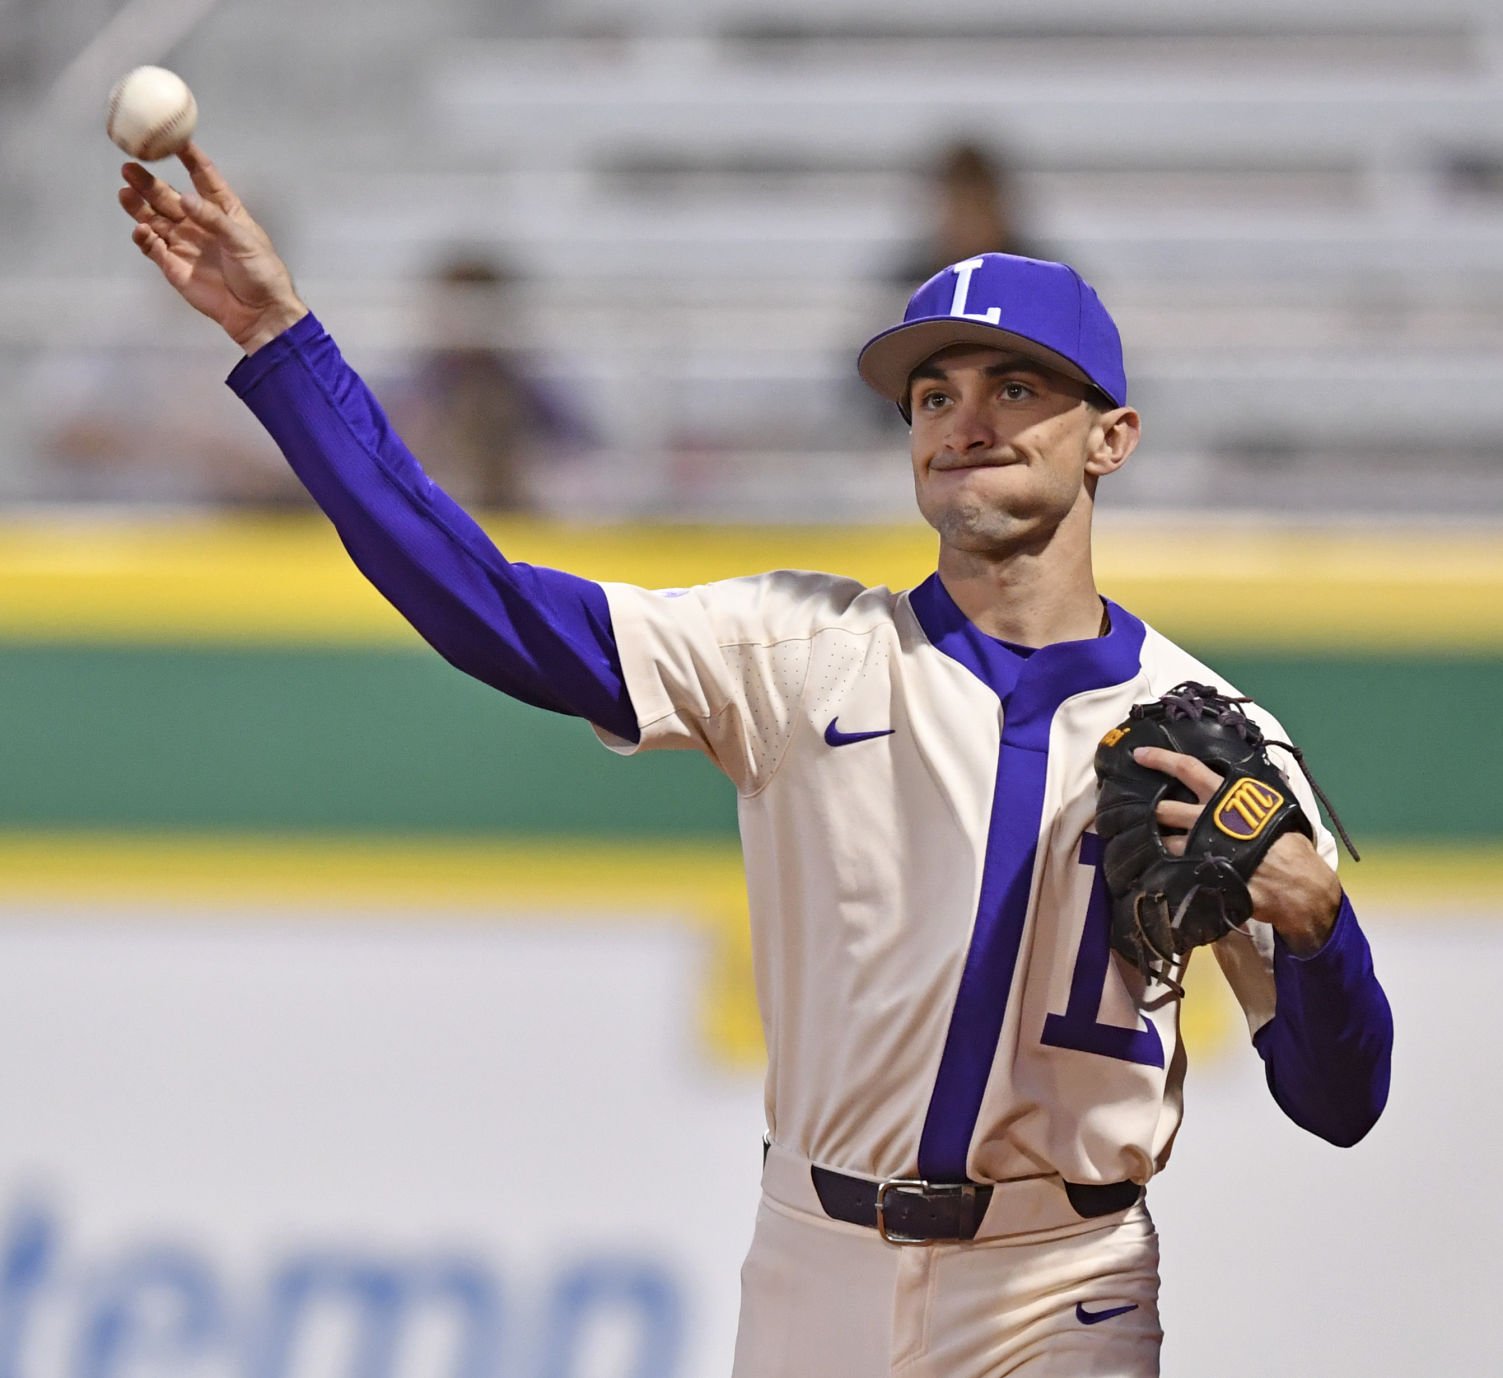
point(1246, 809)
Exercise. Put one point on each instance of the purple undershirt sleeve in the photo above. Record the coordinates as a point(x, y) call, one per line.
point(1328, 1048)
point(539, 635)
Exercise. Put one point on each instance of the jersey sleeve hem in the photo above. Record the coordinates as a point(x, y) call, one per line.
point(254, 367)
point(1331, 950)
point(1329, 1047)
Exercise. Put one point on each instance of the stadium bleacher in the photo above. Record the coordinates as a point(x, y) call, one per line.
point(1296, 214)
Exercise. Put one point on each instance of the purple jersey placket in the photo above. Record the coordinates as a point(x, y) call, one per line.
point(1030, 689)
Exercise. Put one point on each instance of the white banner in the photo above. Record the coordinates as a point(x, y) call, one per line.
point(308, 1147)
point(324, 1145)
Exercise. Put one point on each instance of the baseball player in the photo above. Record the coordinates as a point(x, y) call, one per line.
point(966, 1090)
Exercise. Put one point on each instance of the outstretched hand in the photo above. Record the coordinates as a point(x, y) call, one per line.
point(219, 260)
point(1293, 889)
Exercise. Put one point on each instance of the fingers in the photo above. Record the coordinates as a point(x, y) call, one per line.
point(207, 180)
point(141, 212)
point(165, 200)
point(1174, 813)
point(1174, 816)
point(173, 266)
point(229, 230)
point(151, 201)
point(1195, 776)
point(150, 243)
point(153, 191)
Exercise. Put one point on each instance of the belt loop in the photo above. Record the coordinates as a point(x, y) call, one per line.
point(1089, 1201)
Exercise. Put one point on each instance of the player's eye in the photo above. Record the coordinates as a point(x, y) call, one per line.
point(932, 400)
point(1014, 391)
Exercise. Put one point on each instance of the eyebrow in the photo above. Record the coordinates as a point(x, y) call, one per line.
point(1013, 363)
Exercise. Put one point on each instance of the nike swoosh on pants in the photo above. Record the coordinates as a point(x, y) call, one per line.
point(1096, 1317)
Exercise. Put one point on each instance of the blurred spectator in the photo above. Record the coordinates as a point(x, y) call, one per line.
point(114, 435)
point(974, 206)
point(971, 201)
point(472, 410)
point(105, 430)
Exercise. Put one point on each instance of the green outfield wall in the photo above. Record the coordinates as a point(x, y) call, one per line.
point(233, 677)
point(349, 740)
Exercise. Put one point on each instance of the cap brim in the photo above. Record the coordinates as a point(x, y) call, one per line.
point(888, 360)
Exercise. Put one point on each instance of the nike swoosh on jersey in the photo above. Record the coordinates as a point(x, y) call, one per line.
point(835, 737)
point(1096, 1317)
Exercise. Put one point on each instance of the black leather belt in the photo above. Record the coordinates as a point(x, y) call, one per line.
point(907, 1211)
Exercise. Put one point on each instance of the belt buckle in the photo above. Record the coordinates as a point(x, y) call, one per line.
point(924, 1188)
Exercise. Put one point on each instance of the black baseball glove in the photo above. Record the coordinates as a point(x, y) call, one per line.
point(1165, 905)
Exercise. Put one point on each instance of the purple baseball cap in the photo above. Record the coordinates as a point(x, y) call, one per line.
point(1046, 310)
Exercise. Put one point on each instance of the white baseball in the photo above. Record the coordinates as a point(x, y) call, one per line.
point(152, 113)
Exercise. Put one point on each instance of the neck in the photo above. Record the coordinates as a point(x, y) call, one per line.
point(1032, 595)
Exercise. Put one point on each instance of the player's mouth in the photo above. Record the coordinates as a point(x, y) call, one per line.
point(945, 463)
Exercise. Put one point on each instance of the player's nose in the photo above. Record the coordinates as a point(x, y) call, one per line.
point(970, 428)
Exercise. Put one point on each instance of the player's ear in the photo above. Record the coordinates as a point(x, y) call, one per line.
point(1114, 436)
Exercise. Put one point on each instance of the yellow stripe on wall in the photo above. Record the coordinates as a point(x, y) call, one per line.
point(371, 872)
point(397, 873)
point(288, 581)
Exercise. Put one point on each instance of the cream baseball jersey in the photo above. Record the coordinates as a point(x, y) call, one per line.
point(931, 929)
point(929, 918)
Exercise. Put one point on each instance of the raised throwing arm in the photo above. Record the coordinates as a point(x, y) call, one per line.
point(540, 635)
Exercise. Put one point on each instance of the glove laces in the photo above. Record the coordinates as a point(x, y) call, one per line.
point(1192, 701)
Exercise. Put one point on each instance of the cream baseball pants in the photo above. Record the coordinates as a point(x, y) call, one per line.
point(1039, 1292)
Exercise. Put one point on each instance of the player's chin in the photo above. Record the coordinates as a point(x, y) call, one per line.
point(972, 524)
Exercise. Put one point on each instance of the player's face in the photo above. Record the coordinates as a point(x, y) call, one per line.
point(1004, 448)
